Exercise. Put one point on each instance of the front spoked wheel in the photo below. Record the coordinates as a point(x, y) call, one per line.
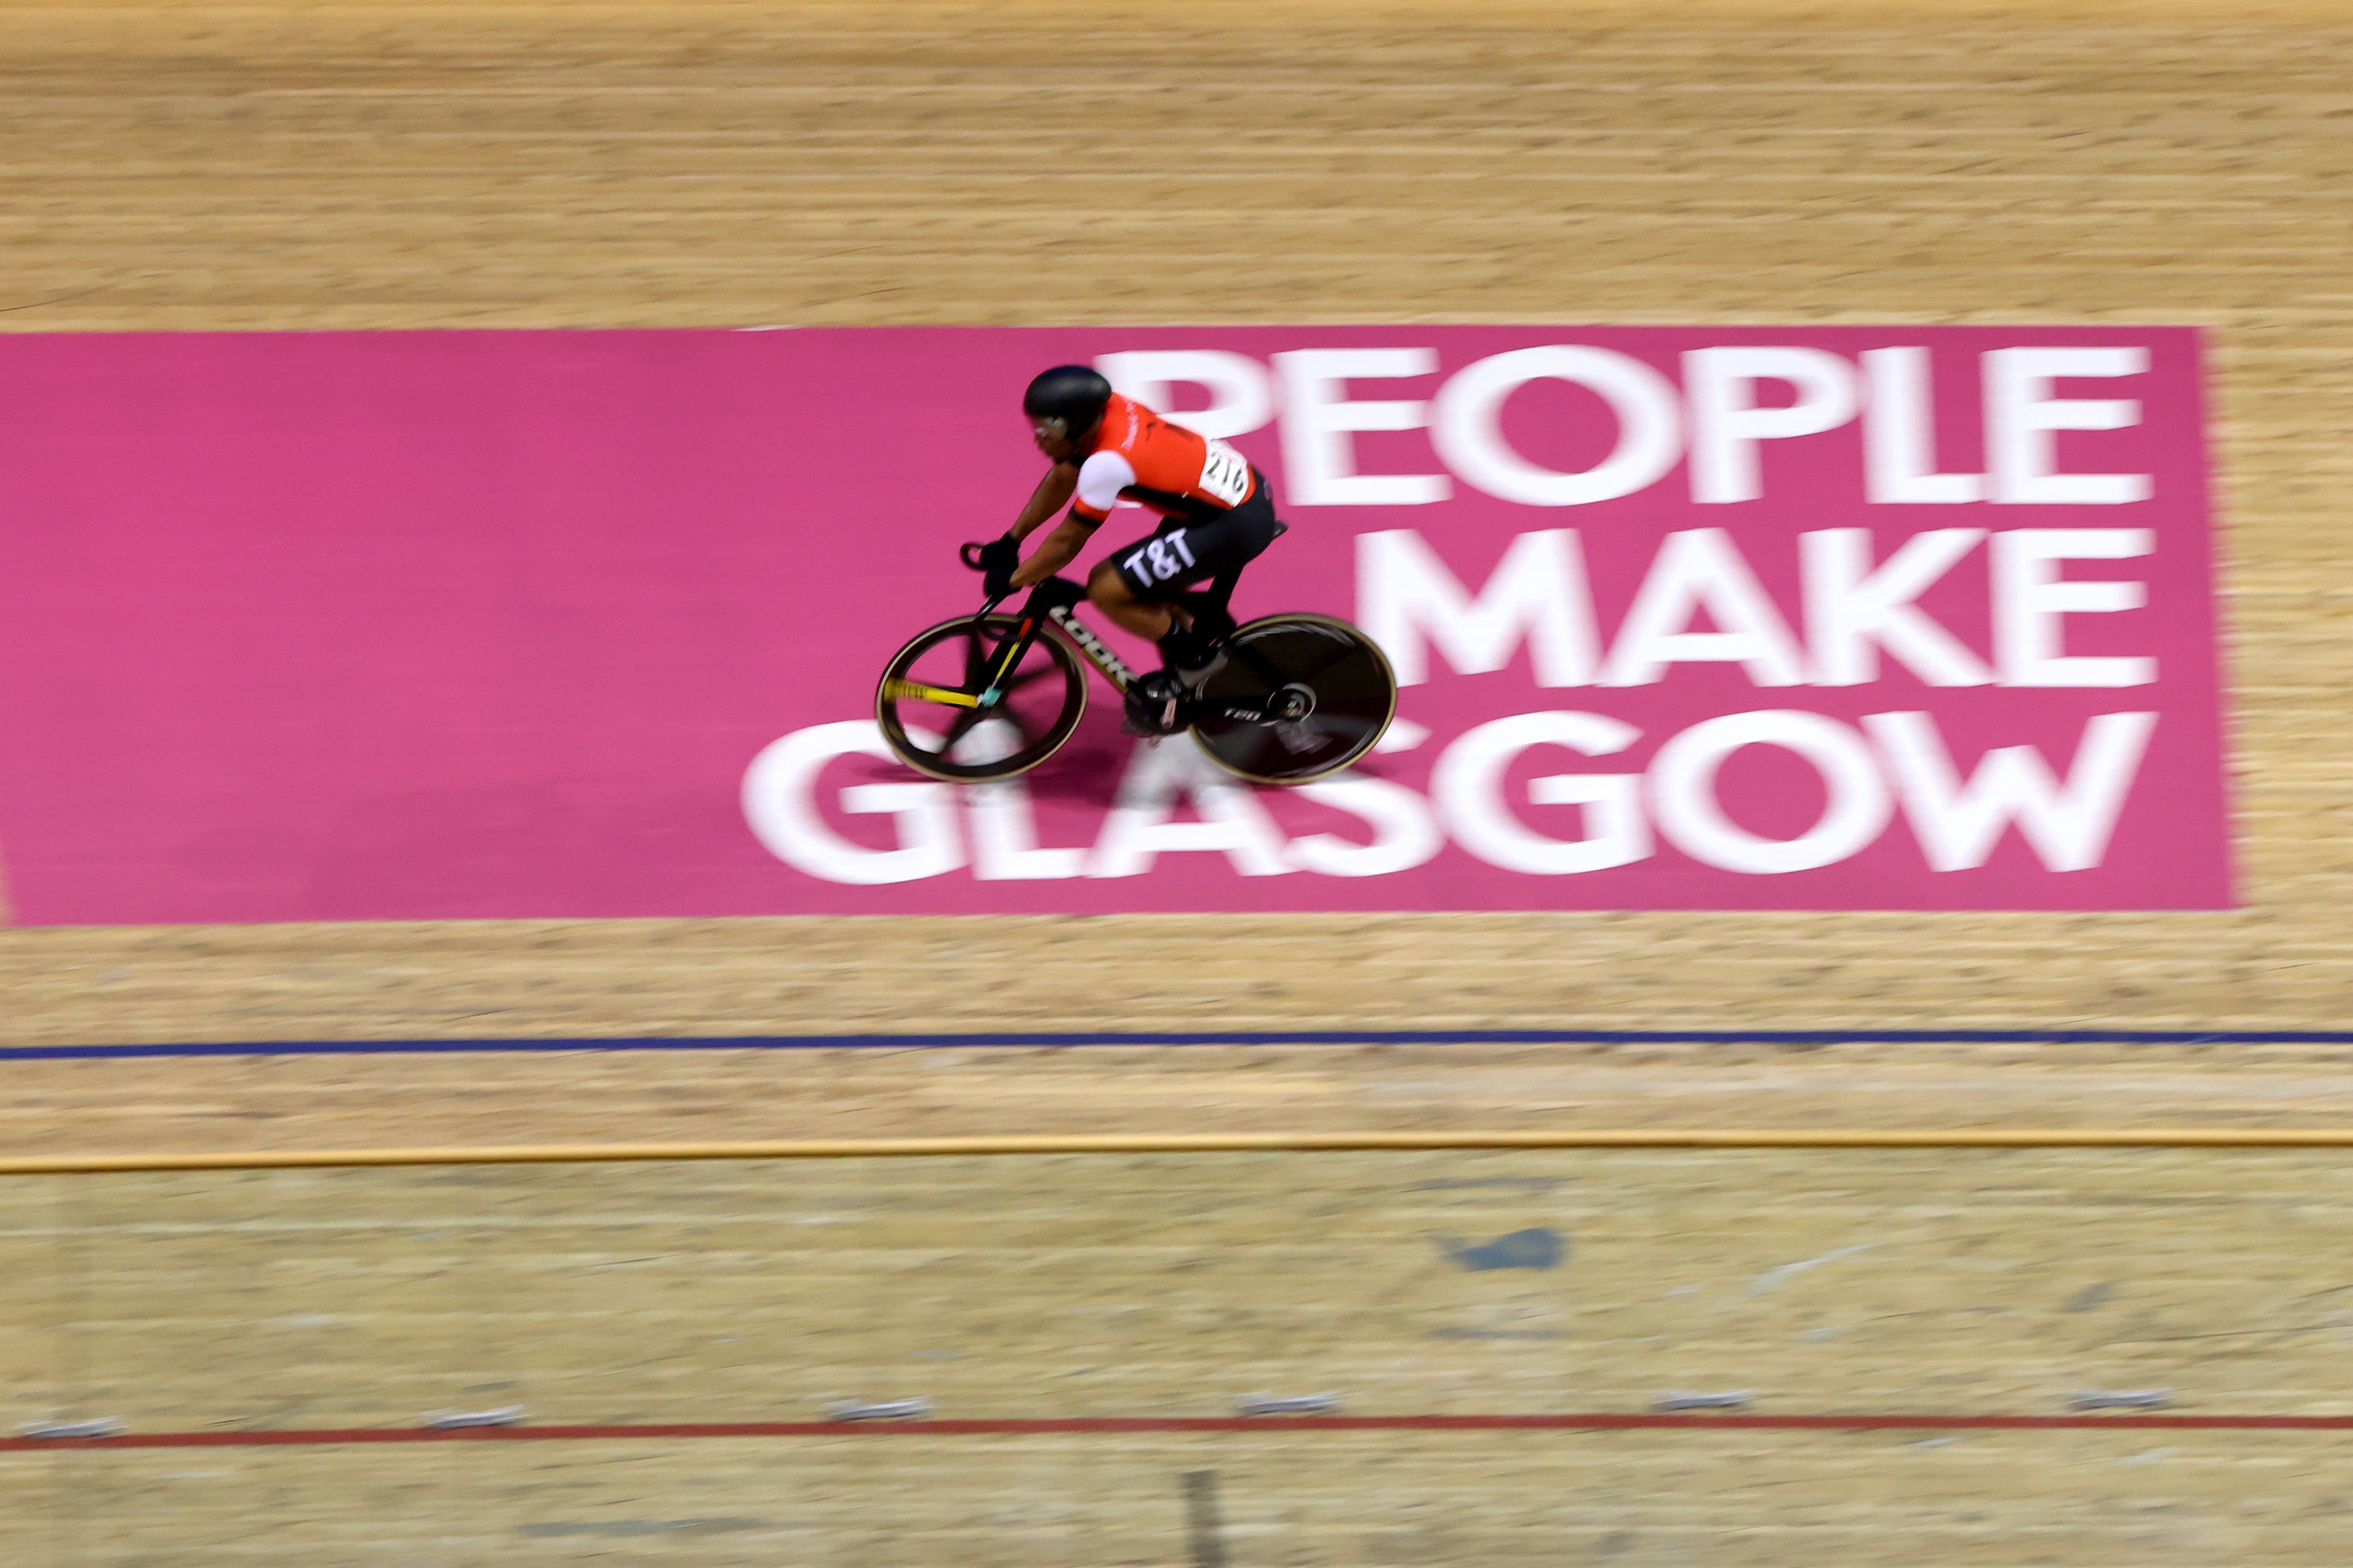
point(929, 703)
point(1299, 696)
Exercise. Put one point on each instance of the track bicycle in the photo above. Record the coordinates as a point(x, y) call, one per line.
point(991, 695)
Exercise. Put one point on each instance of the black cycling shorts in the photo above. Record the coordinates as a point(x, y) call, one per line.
point(1197, 547)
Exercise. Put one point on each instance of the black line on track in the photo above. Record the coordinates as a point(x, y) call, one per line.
point(900, 1042)
point(1207, 1531)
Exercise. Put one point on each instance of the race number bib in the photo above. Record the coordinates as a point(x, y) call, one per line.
point(1224, 474)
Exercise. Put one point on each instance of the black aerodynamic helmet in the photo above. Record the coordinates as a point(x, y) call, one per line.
point(1066, 400)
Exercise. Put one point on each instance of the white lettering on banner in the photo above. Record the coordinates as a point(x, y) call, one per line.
point(1727, 422)
point(1696, 569)
point(1469, 433)
point(1899, 434)
point(1661, 798)
point(1404, 835)
point(1241, 393)
point(1319, 461)
point(1682, 792)
point(1409, 601)
point(1853, 610)
point(1890, 386)
point(1004, 827)
point(2021, 415)
point(2029, 597)
point(1467, 787)
point(1536, 594)
point(1957, 825)
point(780, 805)
point(1139, 828)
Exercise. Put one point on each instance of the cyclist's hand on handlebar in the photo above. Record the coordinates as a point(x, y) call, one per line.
point(995, 561)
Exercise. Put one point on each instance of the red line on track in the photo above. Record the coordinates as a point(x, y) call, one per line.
point(1099, 1425)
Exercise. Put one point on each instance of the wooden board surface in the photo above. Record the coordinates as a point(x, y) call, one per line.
point(1640, 1501)
point(1414, 1501)
point(1934, 1281)
point(1929, 1282)
point(225, 1104)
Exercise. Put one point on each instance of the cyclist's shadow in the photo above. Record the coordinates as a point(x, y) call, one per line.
point(1099, 766)
point(1089, 770)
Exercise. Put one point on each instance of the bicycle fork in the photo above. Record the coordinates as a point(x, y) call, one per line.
point(1005, 656)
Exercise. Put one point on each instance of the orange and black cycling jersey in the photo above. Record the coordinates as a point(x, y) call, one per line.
point(1137, 456)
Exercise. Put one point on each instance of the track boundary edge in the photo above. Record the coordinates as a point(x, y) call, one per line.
point(1197, 1143)
point(1065, 1040)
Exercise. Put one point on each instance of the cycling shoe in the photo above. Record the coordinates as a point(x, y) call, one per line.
point(1152, 704)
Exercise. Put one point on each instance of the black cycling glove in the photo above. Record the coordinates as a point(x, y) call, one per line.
point(998, 557)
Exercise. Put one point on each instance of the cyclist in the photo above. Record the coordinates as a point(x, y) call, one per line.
point(1217, 515)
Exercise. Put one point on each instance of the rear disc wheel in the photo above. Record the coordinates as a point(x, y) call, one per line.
point(1326, 687)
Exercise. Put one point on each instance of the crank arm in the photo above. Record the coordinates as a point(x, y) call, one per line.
point(904, 691)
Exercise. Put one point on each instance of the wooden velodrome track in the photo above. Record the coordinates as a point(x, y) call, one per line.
point(298, 165)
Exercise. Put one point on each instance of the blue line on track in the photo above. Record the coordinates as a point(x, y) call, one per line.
point(1240, 1037)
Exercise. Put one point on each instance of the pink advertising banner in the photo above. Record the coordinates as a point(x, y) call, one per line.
point(488, 625)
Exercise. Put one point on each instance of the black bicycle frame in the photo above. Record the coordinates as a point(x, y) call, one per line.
point(1054, 600)
point(1051, 600)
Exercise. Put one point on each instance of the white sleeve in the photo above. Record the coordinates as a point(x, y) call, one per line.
point(1100, 479)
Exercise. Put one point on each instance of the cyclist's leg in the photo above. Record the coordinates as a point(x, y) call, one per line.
point(1209, 610)
point(1135, 584)
point(1206, 613)
point(1118, 598)
point(1180, 621)
point(1154, 699)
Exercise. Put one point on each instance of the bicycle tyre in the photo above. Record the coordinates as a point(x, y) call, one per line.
point(1041, 733)
point(1355, 694)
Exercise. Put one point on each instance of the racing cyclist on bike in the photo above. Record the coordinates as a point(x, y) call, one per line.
point(1217, 515)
